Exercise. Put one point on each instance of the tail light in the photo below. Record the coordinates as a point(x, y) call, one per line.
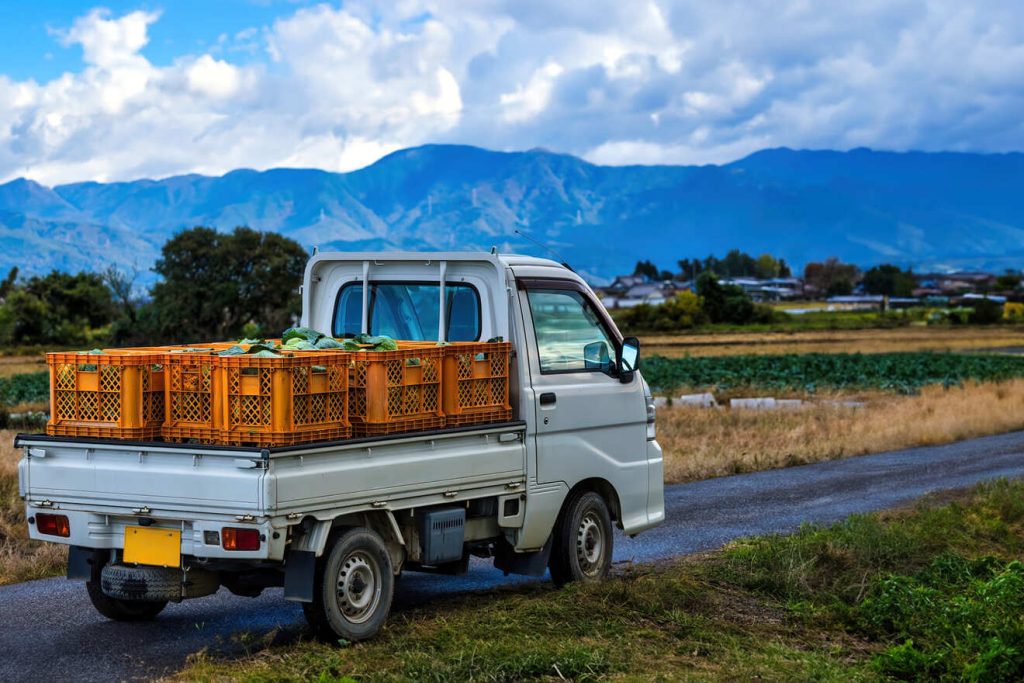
point(53, 525)
point(240, 539)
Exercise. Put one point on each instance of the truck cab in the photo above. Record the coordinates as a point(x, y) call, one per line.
point(335, 523)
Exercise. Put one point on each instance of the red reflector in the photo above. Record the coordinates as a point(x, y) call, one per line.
point(53, 525)
point(240, 539)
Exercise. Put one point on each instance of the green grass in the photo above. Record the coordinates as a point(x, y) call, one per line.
point(933, 592)
point(900, 372)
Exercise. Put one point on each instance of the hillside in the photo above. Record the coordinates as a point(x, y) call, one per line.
point(923, 209)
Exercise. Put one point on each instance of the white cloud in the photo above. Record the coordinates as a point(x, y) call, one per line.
point(666, 81)
point(529, 100)
point(213, 78)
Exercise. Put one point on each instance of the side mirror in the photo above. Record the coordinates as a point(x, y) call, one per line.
point(595, 356)
point(629, 359)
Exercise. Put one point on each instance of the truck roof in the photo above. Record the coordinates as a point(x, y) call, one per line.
point(383, 256)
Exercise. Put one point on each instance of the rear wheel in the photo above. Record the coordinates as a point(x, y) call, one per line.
point(354, 587)
point(582, 545)
point(123, 610)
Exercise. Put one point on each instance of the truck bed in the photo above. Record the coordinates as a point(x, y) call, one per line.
point(119, 480)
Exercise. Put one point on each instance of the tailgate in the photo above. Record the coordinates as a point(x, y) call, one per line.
point(119, 478)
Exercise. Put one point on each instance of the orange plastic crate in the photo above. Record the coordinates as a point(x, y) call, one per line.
point(395, 391)
point(114, 395)
point(475, 382)
point(298, 398)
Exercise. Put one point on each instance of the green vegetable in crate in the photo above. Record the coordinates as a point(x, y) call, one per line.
point(386, 344)
point(262, 350)
point(299, 344)
point(305, 333)
point(251, 341)
point(329, 343)
point(351, 345)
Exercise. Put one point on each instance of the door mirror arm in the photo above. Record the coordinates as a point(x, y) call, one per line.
point(628, 360)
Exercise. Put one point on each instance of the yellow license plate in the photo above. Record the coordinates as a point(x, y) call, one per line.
point(147, 545)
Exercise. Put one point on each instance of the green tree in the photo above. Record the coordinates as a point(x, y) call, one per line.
point(889, 280)
point(681, 312)
point(1008, 281)
point(646, 269)
point(831, 278)
point(58, 308)
point(768, 266)
point(724, 303)
point(215, 283)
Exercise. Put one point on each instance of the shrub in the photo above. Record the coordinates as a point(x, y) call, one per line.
point(986, 312)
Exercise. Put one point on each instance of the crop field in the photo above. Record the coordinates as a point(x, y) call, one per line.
point(931, 592)
point(898, 372)
point(908, 338)
point(28, 390)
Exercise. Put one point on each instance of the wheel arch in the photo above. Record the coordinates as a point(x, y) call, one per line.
point(603, 488)
point(314, 533)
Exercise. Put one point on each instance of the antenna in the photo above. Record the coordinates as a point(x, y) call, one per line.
point(545, 248)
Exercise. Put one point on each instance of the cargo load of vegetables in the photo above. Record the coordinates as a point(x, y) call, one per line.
point(304, 387)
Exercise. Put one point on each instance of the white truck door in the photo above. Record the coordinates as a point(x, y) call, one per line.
point(588, 423)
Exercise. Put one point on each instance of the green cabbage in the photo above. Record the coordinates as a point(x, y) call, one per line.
point(304, 333)
point(329, 343)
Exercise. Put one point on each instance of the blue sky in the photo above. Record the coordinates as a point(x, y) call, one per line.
point(126, 89)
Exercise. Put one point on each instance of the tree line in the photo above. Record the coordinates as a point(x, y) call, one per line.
point(830, 277)
point(213, 285)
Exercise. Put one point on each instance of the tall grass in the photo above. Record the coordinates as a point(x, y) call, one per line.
point(20, 558)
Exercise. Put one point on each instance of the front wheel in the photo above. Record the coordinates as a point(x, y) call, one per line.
point(123, 610)
point(354, 587)
point(582, 544)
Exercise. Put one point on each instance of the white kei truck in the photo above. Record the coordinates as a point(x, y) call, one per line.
point(336, 523)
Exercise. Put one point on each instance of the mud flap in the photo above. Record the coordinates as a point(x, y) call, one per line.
point(299, 575)
point(528, 564)
point(84, 563)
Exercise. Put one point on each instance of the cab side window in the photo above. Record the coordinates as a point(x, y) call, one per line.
point(570, 334)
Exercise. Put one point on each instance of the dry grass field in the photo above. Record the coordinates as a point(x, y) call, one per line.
point(20, 558)
point(701, 443)
point(17, 365)
point(913, 338)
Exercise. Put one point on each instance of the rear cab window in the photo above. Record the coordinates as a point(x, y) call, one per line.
point(409, 310)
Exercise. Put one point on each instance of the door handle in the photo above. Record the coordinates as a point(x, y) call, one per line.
point(548, 398)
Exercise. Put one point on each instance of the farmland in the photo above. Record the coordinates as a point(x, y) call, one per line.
point(900, 372)
point(700, 443)
point(901, 339)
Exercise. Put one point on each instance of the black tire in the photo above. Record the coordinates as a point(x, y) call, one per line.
point(582, 543)
point(353, 588)
point(123, 610)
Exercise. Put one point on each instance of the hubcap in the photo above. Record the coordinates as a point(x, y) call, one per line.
point(359, 586)
point(590, 544)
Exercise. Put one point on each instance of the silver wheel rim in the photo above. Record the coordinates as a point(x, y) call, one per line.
point(359, 586)
point(590, 544)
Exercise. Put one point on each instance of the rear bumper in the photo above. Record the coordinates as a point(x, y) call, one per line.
point(106, 532)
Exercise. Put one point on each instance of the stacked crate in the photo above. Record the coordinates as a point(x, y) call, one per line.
point(191, 394)
point(114, 395)
point(395, 391)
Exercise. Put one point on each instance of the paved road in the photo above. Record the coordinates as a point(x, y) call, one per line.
point(49, 631)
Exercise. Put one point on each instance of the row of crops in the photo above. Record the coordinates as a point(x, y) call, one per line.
point(899, 372)
point(33, 387)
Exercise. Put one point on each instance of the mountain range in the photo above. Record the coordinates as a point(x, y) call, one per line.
point(929, 210)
